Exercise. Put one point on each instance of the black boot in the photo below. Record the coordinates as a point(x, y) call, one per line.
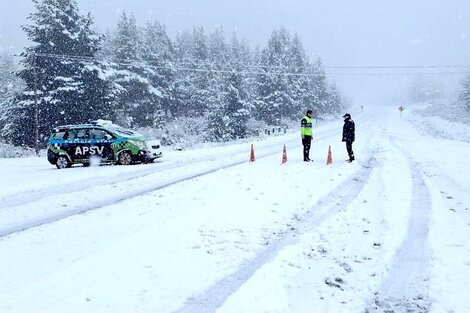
point(306, 158)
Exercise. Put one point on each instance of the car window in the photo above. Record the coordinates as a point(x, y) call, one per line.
point(98, 134)
point(58, 135)
point(78, 134)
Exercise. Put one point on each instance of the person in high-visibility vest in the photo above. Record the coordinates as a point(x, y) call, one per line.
point(306, 133)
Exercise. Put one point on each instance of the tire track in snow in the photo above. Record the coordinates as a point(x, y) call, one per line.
point(215, 296)
point(452, 191)
point(405, 289)
point(83, 185)
point(29, 196)
point(124, 195)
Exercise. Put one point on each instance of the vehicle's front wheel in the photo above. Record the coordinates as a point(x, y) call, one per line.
point(125, 158)
point(147, 161)
point(62, 162)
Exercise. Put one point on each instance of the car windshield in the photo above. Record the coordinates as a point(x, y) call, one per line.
point(58, 134)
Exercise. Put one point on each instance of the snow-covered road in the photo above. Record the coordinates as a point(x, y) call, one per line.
point(206, 231)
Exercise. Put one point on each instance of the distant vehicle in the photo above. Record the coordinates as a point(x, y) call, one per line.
point(99, 142)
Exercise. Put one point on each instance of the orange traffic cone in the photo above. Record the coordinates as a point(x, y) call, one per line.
point(284, 155)
point(329, 158)
point(252, 154)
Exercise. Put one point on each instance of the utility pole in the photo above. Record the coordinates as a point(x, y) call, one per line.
point(36, 107)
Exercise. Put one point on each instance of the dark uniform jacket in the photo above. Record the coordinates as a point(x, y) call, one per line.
point(348, 130)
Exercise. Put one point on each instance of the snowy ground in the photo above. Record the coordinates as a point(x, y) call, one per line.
point(206, 231)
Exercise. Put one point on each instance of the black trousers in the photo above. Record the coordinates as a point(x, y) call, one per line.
point(349, 149)
point(306, 142)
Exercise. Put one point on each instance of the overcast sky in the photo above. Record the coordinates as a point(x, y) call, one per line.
point(341, 32)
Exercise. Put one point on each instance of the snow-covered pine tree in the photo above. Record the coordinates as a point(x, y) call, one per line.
point(60, 75)
point(98, 94)
point(229, 114)
point(251, 64)
point(318, 88)
point(182, 87)
point(241, 60)
point(191, 92)
point(218, 50)
point(228, 120)
point(191, 89)
point(216, 126)
point(8, 79)
point(200, 78)
point(273, 99)
point(158, 53)
point(127, 41)
point(218, 64)
point(464, 95)
point(298, 83)
point(130, 74)
point(10, 87)
point(334, 101)
point(237, 96)
point(236, 110)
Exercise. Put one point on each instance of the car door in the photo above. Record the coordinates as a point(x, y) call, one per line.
point(78, 145)
point(101, 142)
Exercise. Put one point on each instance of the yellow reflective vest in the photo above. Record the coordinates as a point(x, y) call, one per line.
point(306, 126)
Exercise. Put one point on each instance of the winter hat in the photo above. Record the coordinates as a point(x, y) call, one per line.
point(347, 115)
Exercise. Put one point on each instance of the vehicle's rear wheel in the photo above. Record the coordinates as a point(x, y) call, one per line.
point(125, 158)
point(62, 162)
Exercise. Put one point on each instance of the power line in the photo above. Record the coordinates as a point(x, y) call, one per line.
point(255, 69)
point(399, 73)
point(85, 58)
point(398, 66)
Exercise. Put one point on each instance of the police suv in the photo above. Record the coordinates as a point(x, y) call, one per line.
point(99, 142)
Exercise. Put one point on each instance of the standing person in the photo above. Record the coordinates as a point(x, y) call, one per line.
point(306, 133)
point(349, 135)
